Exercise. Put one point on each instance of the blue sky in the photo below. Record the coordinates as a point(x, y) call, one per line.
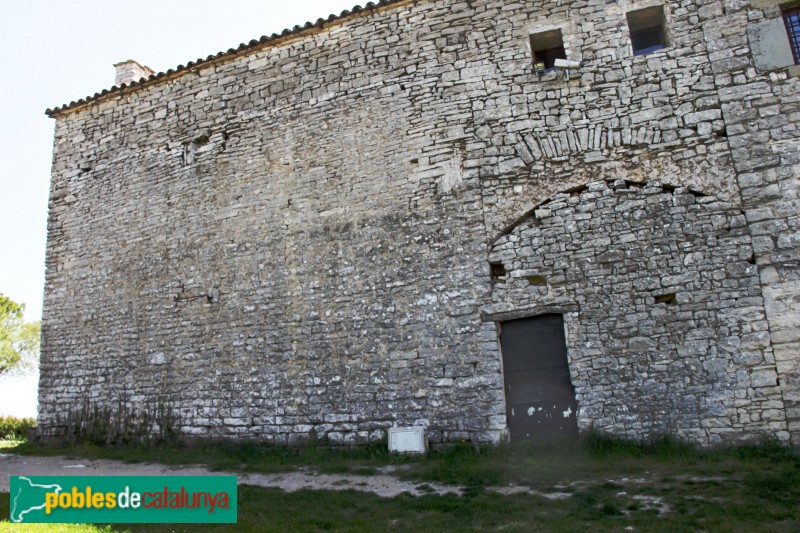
point(56, 52)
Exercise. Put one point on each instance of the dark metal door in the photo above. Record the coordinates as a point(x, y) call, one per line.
point(540, 399)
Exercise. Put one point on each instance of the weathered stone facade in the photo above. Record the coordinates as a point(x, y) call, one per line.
point(665, 317)
point(296, 236)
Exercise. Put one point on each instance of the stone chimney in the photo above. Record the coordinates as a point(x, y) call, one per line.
point(130, 70)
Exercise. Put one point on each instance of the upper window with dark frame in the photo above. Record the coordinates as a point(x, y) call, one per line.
point(647, 30)
point(791, 17)
point(547, 46)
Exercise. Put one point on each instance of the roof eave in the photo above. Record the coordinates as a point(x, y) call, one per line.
point(255, 44)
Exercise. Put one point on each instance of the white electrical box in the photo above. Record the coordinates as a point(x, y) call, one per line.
point(408, 440)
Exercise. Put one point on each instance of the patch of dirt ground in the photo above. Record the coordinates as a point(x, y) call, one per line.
point(381, 484)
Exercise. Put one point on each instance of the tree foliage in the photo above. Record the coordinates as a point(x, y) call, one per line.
point(19, 340)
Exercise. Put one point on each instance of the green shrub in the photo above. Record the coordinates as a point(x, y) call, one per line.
point(12, 427)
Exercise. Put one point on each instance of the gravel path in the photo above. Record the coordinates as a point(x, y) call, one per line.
point(382, 484)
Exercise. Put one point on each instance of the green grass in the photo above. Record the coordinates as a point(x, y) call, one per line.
point(10, 444)
point(223, 455)
point(51, 528)
point(597, 509)
point(608, 485)
point(531, 464)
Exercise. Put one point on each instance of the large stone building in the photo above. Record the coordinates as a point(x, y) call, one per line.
point(490, 218)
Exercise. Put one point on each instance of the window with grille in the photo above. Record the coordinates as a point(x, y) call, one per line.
point(791, 17)
point(647, 30)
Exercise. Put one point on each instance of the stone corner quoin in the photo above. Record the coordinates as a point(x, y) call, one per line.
point(327, 233)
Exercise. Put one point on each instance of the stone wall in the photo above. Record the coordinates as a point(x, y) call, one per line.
point(762, 112)
point(665, 317)
point(294, 237)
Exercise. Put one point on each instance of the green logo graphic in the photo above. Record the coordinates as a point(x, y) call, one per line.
point(124, 499)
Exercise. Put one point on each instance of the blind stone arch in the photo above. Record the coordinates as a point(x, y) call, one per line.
point(668, 332)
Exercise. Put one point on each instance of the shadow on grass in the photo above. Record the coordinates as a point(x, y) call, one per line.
point(605, 484)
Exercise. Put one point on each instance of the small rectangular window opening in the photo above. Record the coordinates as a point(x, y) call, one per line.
point(647, 30)
point(498, 272)
point(791, 17)
point(547, 46)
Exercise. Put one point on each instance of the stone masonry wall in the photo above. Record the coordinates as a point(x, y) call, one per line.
point(294, 238)
point(761, 108)
point(665, 317)
point(256, 245)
